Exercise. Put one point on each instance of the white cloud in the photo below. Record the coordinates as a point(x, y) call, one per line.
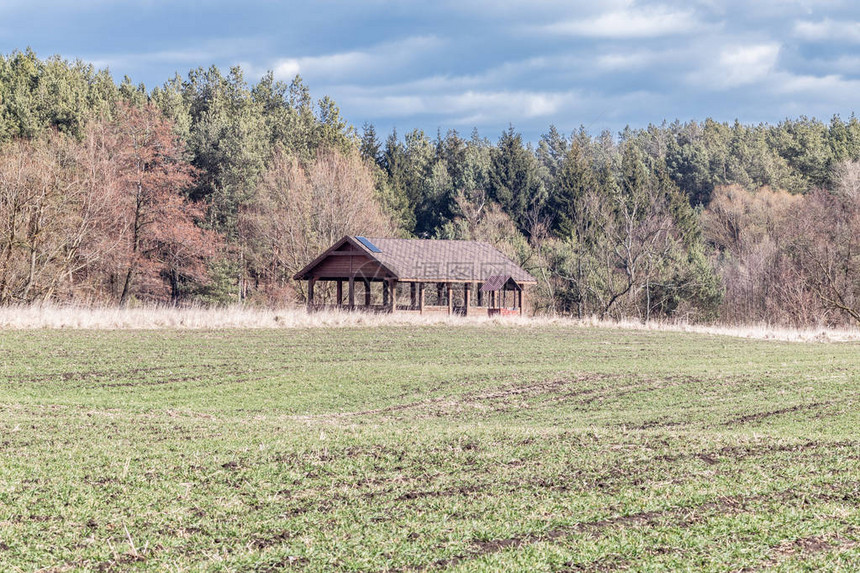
point(832, 86)
point(383, 57)
point(287, 69)
point(846, 64)
point(630, 22)
point(523, 104)
point(639, 59)
point(827, 30)
point(192, 56)
point(738, 66)
point(505, 105)
point(204, 55)
point(747, 64)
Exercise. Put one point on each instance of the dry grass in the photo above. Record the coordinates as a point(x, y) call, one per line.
point(159, 317)
point(753, 331)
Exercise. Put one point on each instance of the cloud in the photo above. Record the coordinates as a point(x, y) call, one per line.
point(636, 60)
point(203, 54)
point(650, 22)
point(121, 62)
point(747, 64)
point(828, 31)
point(387, 57)
point(738, 66)
point(835, 86)
point(487, 62)
point(504, 106)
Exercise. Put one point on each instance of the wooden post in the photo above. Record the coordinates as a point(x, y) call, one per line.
point(449, 289)
point(467, 297)
point(393, 289)
point(480, 294)
point(311, 283)
point(412, 294)
point(351, 293)
point(439, 287)
point(339, 293)
point(420, 298)
point(522, 299)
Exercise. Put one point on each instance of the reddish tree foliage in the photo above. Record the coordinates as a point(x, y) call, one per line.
point(148, 242)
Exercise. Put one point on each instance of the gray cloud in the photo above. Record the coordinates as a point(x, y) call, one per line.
point(488, 63)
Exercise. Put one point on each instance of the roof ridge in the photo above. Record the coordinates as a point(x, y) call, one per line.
point(438, 240)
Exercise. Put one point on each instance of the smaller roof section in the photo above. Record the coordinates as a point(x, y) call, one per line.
point(498, 282)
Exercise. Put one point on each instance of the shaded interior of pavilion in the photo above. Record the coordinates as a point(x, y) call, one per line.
point(498, 295)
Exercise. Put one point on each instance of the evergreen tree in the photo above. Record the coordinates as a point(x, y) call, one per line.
point(551, 151)
point(574, 179)
point(515, 182)
point(370, 147)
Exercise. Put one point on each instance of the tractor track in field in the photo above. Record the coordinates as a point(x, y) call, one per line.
point(472, 398)
point(564, 390)
point(811, 545)
point(758, 416)
point(671, 517)
point(739, 453)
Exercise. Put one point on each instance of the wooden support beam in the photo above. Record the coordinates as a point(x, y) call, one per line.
point(393, 289)
point(480, 294)
point(346, 254)
point(439, 287)
point(522, 299)
point(467, 295)
point(420, 298)
point(339, 292)
point(351, 293)
point(311, 284)
point(450, 289)
point(413, 292)
point(366, 292)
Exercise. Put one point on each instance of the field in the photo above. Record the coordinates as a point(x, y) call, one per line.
point(474, 447)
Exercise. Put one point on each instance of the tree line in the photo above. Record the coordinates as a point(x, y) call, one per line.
point(211, 189)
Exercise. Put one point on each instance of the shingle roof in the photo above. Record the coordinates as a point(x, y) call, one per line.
point(440, 260)
point(495, 282)
point(432, 260)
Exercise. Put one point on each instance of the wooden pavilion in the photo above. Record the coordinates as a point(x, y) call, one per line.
point(393, 276)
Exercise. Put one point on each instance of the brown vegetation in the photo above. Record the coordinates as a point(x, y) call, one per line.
point(301, 210)
point(101, 219)
point(789, 259)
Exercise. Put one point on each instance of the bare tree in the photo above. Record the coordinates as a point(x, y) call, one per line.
point(826, 249)
point(300, 210)
point(44, 213)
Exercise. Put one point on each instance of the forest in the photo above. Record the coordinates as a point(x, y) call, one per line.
point(213, 190)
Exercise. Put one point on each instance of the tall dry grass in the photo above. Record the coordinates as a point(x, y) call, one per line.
point(160, 317)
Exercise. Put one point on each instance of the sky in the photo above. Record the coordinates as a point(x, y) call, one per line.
point(461, 64)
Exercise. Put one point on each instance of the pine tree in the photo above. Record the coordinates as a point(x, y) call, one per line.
point(370, 147)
